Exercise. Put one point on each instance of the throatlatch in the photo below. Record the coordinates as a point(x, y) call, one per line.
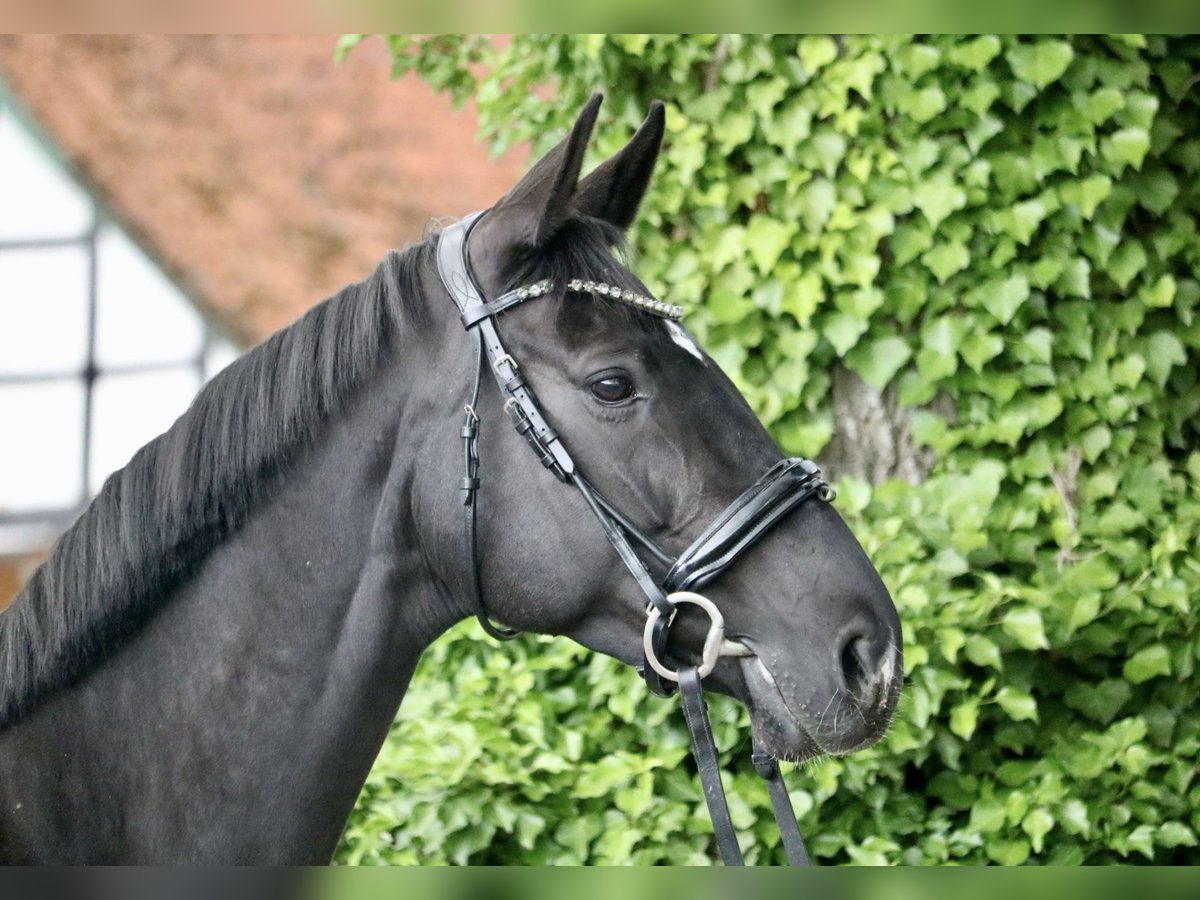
point(784, 487)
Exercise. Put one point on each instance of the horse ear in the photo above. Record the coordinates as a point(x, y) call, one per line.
point(614, 190)
point(542, 200)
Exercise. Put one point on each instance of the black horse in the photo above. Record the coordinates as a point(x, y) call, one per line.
point(207, 664)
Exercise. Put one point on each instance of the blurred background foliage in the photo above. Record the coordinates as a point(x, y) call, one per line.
point(1000, 232)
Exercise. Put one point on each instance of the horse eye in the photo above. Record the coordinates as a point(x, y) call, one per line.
point(612, 388)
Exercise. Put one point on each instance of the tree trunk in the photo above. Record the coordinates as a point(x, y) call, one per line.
point(872, 438)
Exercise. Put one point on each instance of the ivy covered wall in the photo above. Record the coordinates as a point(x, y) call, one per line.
point(1001, 232)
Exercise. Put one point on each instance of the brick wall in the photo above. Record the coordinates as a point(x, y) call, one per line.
point(262, 175)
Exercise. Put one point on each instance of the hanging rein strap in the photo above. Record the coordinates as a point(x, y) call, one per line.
point(781, 489)
point(704, 749)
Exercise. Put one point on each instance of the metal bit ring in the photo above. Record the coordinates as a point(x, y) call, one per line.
point(713, 641)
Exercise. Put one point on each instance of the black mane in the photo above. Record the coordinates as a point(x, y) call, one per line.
point(188, 489)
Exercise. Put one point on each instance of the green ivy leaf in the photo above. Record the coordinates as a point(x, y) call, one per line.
point(1095, 441)
point(1076, 279)
point(946, 259)
point(1008, 853)
point(918, 59)
point(874, 851)
point(1073, 816)
point(979, 347)
point(843, 331)
point(1138, 111)
point(1165, 351)
point(829, 148)
point(1149, 662)
point(859, 73)
point(817, 202)
point(976, 54)
point(1157, 191)
point(345, 44)
point(1161, 294)
point(1126, 262)
point(910, 241)
point(1041, 62)
point(1023, 220)
point(1025, 626)
point(1100, 105)
point(937, 199)
point(1019, 704)
point(963, 718)
point(766, 239)
point(1141, 839)
point(816, 51)
point(1127, 147)
point(1100, 702)
point(764, 96)
point(1087, 194)
point(878, 361)
point(979, 99)
point(1003, 298)
point(802, 296)
point(576, 835)
point(1176, 834)
point(1037, 825)
point(923, 105)
point(988, 815)
point(1038, 344)
point(790, 126)
point(983, 651)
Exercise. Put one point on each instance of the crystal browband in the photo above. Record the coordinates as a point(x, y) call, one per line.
point(649, 304)
point(579, 286)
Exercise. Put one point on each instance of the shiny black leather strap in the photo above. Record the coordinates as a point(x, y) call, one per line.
point(785, 486)
point(475, 313)
point(616, 537)
point(633, 531)
point(520, 404)
point(469, 485)
point(781, 805)
point(452, 264)
point(616, 530)
point(704, 749)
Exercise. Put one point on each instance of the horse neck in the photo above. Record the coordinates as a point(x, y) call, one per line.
point(241, 721)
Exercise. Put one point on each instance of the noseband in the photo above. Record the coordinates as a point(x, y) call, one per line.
point(785, 486)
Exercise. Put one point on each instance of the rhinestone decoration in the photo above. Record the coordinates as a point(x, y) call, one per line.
point(646, 304)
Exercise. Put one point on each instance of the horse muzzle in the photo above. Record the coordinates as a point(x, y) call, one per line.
point(798, 714)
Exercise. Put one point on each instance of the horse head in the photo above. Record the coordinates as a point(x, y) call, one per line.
point(665, 437)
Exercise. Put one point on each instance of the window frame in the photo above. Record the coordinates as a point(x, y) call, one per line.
point(32, 529)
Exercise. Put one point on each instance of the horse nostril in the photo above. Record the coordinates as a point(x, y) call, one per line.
point(855, 655)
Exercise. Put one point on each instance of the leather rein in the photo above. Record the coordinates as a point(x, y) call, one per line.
point(783, 487)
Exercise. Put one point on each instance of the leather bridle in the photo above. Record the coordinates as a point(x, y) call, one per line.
point(785, 486)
